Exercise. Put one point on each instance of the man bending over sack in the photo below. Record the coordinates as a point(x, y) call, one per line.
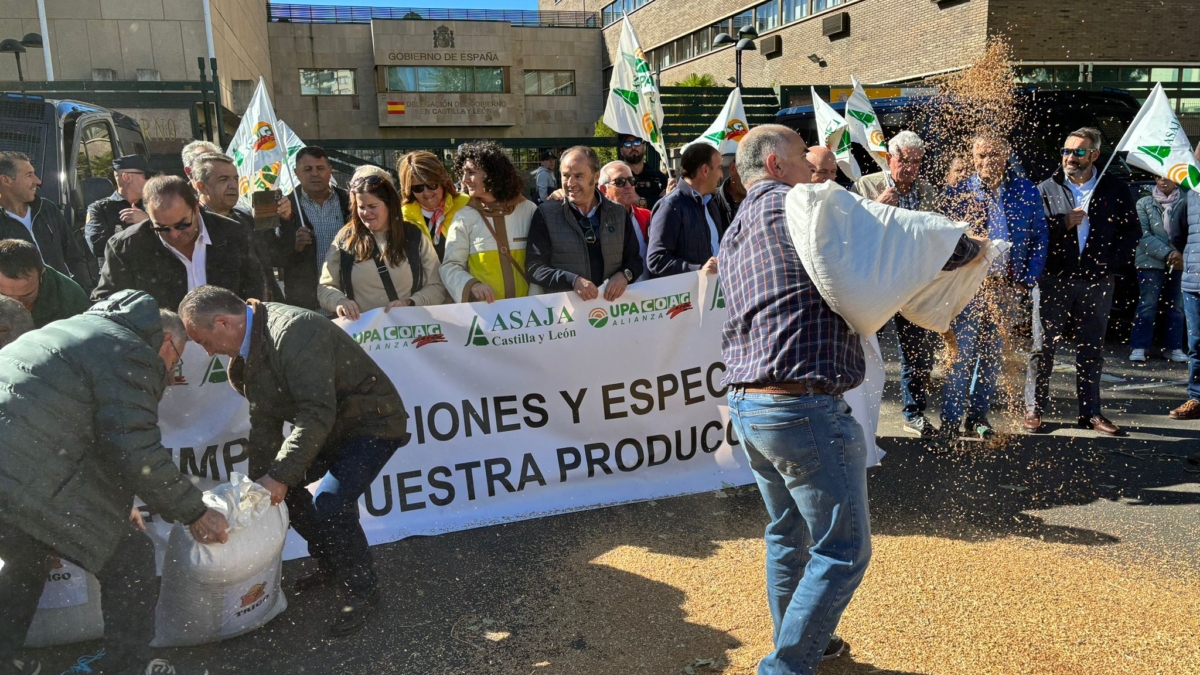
point(80, 438)
point(296, 366)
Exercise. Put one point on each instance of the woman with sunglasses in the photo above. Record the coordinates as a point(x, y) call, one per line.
point(430, 199)
point(377, 259)
point(485, 244)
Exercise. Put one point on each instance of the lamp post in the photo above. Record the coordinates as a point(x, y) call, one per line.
point(17, 48)
point(745, 43)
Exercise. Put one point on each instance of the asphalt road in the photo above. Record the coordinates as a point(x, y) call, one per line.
point(531, 597)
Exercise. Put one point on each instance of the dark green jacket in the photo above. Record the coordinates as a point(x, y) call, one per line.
point(79, 430)
point(306, 370)
point(58, 298)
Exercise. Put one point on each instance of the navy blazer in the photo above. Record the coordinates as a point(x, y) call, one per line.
point(679, 237)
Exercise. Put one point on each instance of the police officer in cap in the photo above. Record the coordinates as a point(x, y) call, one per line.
point(123, 208)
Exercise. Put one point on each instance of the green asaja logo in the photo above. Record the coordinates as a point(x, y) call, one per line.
point(718, 298)
point(520, 327)
point(215, 373)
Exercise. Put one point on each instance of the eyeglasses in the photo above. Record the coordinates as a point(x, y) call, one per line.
point(622, 182)
point(179, 227)
point(635, 143)
point(1078, 152)
point(418, 189)
point(371, 181)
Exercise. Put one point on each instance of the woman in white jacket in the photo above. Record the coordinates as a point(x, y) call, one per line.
point(485, 245)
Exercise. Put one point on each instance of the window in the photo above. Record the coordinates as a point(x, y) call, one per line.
point(683, 48)
point(794, 10)
point(717, 29)
point(1164, 74)
point(1105, 74)
point(606, 16)
point(549, 83)
point(94, 161)
point(746, 18)
point(822, 5)
point(445, 79)
point(1066, 74)
point(702, 41)
point(766, 16)
point(327, 82)
point(641, 3)
point(667, 58)
point(1190, 75)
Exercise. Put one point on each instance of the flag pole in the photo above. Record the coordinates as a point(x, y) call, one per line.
point(1129, 130)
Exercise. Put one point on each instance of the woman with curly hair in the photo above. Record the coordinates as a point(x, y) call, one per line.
point(377, 259)
point(430, 199)
point(485, 245)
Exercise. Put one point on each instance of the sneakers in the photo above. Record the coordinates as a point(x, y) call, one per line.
point(26, 667)
point(85, 665)
point(1176, 356)
point(162, 667)
point(981, 428)
point(836, 647)
point(354, 614)
point(1188, 411)
point(1138, 355)
point(944, 441)
point(921, 426)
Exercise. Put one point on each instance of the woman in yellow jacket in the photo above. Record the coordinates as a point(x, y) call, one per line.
point(485, 245)
point(430, 199)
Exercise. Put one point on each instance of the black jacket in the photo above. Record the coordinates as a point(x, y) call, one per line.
point(104, 220)
point(725, 203)
point(262, 243)
point(301, 269)
point(137, 258)
point(1113, 237)
point(679, 236)
point(54, 237)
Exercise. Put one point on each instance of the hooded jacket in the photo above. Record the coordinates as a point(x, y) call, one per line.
point(79, 430)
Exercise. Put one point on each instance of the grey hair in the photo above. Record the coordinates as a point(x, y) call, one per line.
point(9, 161)
point(761, 142)
point(203, 304)
point(172, 327)
point(196, 148)
point(605, 171)
point(15, 320)
point(1090, 134)
point(202, 166)
point(905, 140)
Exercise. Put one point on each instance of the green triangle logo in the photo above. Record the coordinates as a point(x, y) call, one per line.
point(718, 301)
point(1156, 152)
point(1193, 178)
point(865, 118)
point(843, 144)
point(476, 336)
point(215, 373)
point(630, 97)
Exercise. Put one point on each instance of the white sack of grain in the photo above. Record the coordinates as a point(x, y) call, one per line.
point(211, 592)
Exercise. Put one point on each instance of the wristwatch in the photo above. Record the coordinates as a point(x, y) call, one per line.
point(628, 275)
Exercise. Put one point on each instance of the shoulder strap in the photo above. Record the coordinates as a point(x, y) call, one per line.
point(503, 247)
point(412, 244)
point(347, 260)
point(381, 268)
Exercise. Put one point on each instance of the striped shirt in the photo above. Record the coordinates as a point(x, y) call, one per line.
point(325, 221)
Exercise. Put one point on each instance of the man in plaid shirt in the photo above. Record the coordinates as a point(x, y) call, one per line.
point(789, 359)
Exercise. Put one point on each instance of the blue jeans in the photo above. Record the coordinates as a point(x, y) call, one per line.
point(972, 377)
point(1191, 309)
point(917, 347)
point(809, 459)
point(1158, 286)
point(329, 521)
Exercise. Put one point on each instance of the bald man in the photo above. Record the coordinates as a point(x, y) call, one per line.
point(823, 163)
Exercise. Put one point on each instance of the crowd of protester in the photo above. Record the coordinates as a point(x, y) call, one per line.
point(484, 231)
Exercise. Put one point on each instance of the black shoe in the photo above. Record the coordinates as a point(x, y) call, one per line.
point(20, 667)
point(86, 664)
point(354, 613)
point(921, 426)
point(981, 428)
point(318, 579)
point(836, 647)
point(944, 441)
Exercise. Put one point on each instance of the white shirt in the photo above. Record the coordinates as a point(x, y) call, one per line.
point(712, 227)
point(1083, 195)
point(27, 221)
point(196, 266)
point(641, 238)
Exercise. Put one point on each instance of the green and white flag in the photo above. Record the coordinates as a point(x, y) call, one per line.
point(292, 144)
point(256, 148)
point(1156, 142)
point(730, 126)
point(865, 128)
point(633, 103)
point(834, 132)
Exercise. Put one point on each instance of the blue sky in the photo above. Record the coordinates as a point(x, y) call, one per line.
point(467, 4)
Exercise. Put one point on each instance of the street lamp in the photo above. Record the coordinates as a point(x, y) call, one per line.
point(14, 47)
point(747, 34)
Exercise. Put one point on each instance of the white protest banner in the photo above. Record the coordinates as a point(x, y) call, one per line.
point(633, 100)
point(864, 126)
point(288, 181)
point(256, 148)
point(730, 126)
point(834, 133)
point(1157, 143)
point(520, 409)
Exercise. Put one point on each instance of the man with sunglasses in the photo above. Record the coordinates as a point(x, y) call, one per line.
point(121, 209)
point(650, 182)
point(179, 248)
point(1094, 231)
point(617, 183)
point(585, 242)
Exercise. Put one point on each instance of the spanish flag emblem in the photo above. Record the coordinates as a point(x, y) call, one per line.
point(395, 108)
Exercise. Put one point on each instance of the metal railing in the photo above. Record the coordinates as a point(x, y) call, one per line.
point(285, 13)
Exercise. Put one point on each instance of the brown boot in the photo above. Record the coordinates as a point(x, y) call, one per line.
point(1188, 411)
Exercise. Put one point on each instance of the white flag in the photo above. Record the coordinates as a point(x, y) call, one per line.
point(833, 131)
point(633, 102)
point(256, 148)
point(730, 126)
point(1156, 142)
point(865, 128)
point(288, 181)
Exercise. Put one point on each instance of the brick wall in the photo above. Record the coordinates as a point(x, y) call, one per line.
point(1073, 30)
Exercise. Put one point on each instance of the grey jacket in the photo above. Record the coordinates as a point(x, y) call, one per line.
point(557, 252)
point(873, 185)
point(79, 430)
point(1155, 244)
